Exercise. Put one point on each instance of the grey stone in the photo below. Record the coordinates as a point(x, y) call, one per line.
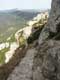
point(23, 71)
point(47, 62)
point(53, 25)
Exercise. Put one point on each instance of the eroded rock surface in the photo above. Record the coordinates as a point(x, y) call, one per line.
point(47, 61)
point(24, 70)
point(53, 25)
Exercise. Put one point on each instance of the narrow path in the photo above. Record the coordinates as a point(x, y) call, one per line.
point(24, 70)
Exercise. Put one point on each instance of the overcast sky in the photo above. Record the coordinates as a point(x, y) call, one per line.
point(25, 4)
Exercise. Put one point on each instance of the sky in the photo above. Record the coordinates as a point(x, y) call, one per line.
point(25, 4)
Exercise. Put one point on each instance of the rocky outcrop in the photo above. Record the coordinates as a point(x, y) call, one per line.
point(4, 45)
point(38, 23)
point(34, 26)
point(23, 33)
point(54, 16)
point(24, 70)
point(7, 68)
point(9, 54)
point(53, 25)
point(47, 60)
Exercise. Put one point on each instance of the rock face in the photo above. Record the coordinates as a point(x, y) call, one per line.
point(47, 60)
point(7, 68)
point(9, 54)
point(24, 70)
point(34, 26)
point(38, 23)
point(23, 33)
point(53, 26)
point(54, 16)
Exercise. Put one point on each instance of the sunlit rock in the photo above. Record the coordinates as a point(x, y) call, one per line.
point(38, 23)
point(25, 32)
point(30, 23)
point(9, 54)
point(43, 16)
point(4, 45)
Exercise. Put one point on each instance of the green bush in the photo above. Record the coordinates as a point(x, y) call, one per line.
point(2, 55)
point(22, 41)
